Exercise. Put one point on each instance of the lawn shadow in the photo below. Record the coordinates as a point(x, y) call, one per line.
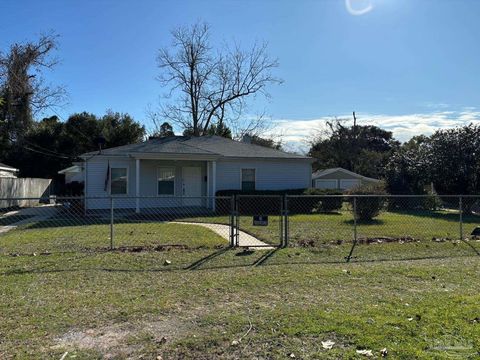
point(439, 215)
point(265, 257)
point(195, 265)
point(200, 264)
point(472, 247)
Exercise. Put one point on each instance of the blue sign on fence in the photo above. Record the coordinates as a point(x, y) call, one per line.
point(260, 220)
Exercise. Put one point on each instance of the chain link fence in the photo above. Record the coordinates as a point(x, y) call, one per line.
point(320, 228)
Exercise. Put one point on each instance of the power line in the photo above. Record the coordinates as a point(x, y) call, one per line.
point(73, 126)
point(55, 153)
point(47, 154)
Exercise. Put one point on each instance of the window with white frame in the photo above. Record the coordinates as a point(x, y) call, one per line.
point(166, 181)
point(248, 179)
point(118, 181)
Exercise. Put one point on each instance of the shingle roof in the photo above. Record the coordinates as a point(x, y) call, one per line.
point(168, 145)
point(319, 173)
point(205, 145)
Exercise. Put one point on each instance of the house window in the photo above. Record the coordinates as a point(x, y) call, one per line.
point(166, 181)
point(118, 181)
point(248, 179)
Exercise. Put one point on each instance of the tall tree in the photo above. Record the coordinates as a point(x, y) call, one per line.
point(406, 171)
point(363, 149)
point(120, 129)
point(266, 142)
point(165, 130)
point(210, 86)
point(50, 145)
point(23, 90)
point(449, 159)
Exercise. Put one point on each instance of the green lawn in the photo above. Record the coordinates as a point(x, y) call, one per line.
point(62, 236)
point(205, 301)
point(215, 303)
point(414, 231)
point(320, 233)
point(325, 228)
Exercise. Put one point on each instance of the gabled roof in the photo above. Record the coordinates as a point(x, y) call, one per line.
point(7, 168)
point(212, 146)
point(320, 173)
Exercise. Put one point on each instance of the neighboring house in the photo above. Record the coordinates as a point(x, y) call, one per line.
point(7, 171)
point(180, 166)
point(73, 173)
point(339, 178)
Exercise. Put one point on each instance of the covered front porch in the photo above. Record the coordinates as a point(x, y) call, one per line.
point(173, 183)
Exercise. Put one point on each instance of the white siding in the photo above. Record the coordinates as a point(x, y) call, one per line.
point(97, 172)
point(270, 174)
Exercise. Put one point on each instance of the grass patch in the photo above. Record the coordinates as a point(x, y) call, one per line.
point(44, 237)
point(322, 229)
point(131, 305)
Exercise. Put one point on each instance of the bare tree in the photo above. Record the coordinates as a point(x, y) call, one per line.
point(23, 90)
point(210, 86)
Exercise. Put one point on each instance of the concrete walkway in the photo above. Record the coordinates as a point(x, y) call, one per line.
point(244, 239)
point(37, 213)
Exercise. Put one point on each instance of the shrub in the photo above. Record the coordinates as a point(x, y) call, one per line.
point(432, 202)
point(327, 203)
point(367, 207)
point(271, 205)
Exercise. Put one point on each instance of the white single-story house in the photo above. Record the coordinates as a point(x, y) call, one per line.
point(73, 173)
point(339, 179)
point(181, 171)
point(7, 171)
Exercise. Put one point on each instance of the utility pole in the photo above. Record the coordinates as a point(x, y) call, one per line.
point(354, 141)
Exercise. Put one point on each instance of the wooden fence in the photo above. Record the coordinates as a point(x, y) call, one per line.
point(11, 188)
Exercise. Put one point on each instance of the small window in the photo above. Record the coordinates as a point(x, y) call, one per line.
point(248, 179)
point(166, 181)
point(118, 181)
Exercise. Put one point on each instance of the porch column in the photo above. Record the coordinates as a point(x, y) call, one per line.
point(137, 185)
point(208, 185)
point(214, 183)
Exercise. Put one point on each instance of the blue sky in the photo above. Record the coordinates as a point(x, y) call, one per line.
point(408, 65)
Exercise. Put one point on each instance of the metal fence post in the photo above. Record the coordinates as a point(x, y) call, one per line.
point(232, 221)
point(237, 221)
point(285, 221)
point(354, 229)
point(111, 223)
point(460, 209)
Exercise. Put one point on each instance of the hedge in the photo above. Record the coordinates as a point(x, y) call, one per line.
point(272, 202)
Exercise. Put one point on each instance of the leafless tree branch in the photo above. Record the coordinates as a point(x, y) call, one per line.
point(209, 87)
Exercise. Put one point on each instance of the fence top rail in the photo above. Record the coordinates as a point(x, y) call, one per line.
point(121, 197)
point(274, 196)
point(382, 196)
point(115, 197)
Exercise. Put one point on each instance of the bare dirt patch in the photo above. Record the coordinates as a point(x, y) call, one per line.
point(122, 339)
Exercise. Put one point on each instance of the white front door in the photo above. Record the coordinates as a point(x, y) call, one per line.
point(192, 185)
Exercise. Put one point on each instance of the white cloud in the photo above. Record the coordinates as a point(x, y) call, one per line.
point(296, 133)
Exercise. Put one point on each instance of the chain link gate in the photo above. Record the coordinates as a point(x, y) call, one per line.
point(258, 221)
